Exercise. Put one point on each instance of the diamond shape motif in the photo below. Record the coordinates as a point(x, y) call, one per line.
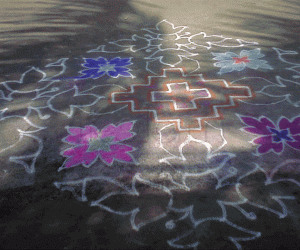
point(185, 100)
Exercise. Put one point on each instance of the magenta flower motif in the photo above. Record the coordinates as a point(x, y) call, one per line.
point(274, 137)
point(90, 143)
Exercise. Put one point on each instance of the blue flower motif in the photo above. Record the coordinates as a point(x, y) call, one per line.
point(230, 61)
point(101, 66)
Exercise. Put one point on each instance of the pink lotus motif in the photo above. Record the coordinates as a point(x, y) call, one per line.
point(274, 137)
point(90, 143)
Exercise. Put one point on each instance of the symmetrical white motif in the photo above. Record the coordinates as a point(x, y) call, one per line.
point(170, 46)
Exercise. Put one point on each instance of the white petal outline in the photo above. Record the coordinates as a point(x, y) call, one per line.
point(130, 47)
point(276, 198)
point(261, 91)
point(59, 63)
point(188, 214)
point(158, 31)
point(156, 35)
point(37, 91)
point(72, 107)
point(101, 49)
point(189, 139)
point(30, 169)
point(126, 190)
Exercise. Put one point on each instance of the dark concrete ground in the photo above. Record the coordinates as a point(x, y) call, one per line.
point(149, 124)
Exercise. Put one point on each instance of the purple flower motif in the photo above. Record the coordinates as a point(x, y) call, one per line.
point(230, 61)
point(101, 66)
point(90, 143)
point(274, 137)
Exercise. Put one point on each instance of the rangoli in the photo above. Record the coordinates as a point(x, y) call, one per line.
point(141, 109)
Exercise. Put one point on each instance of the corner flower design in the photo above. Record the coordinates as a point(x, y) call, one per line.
point(274, 137)
point(101, 66)
point(90, 143)
point(230, 61)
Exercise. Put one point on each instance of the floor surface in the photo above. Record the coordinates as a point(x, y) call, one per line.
point(150, 124)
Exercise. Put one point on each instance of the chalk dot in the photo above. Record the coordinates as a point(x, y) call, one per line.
point(170, 224)
point(251, 216)
point(232, 170)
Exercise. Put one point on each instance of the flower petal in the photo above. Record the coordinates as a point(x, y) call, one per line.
point(296, 143)
point(267, 144)
point(224, 56)
point(294, 126)
point(239, 66)
point(224, 63)
point(120, 133)
point(259, 127)
point(92, 63)
point(101, 61)
point(120, 62)
point(120, 69)
point(118, 152)
point(91, 73)
point(254, 54)
point(256, 64)
point(244, 53)
point(113, 73)
point(79, 156)
point(81, 135)
point(226, 69)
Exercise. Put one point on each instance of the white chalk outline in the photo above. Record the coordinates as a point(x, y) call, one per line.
point(187, 211)
point(242, 43)
point(134, 38)
point(59, 63)
point(280, 84)
point(261, 91)
point(72, 107)
point(128, 190)
point(189, 139)
point(30, 169)
point(157, 30)
point(188, 214)
point(269, 181)
point(158, 34)
point(37, 91)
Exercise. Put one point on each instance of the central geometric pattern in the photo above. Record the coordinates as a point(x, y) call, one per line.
point(185, 100)
point(180, 95)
